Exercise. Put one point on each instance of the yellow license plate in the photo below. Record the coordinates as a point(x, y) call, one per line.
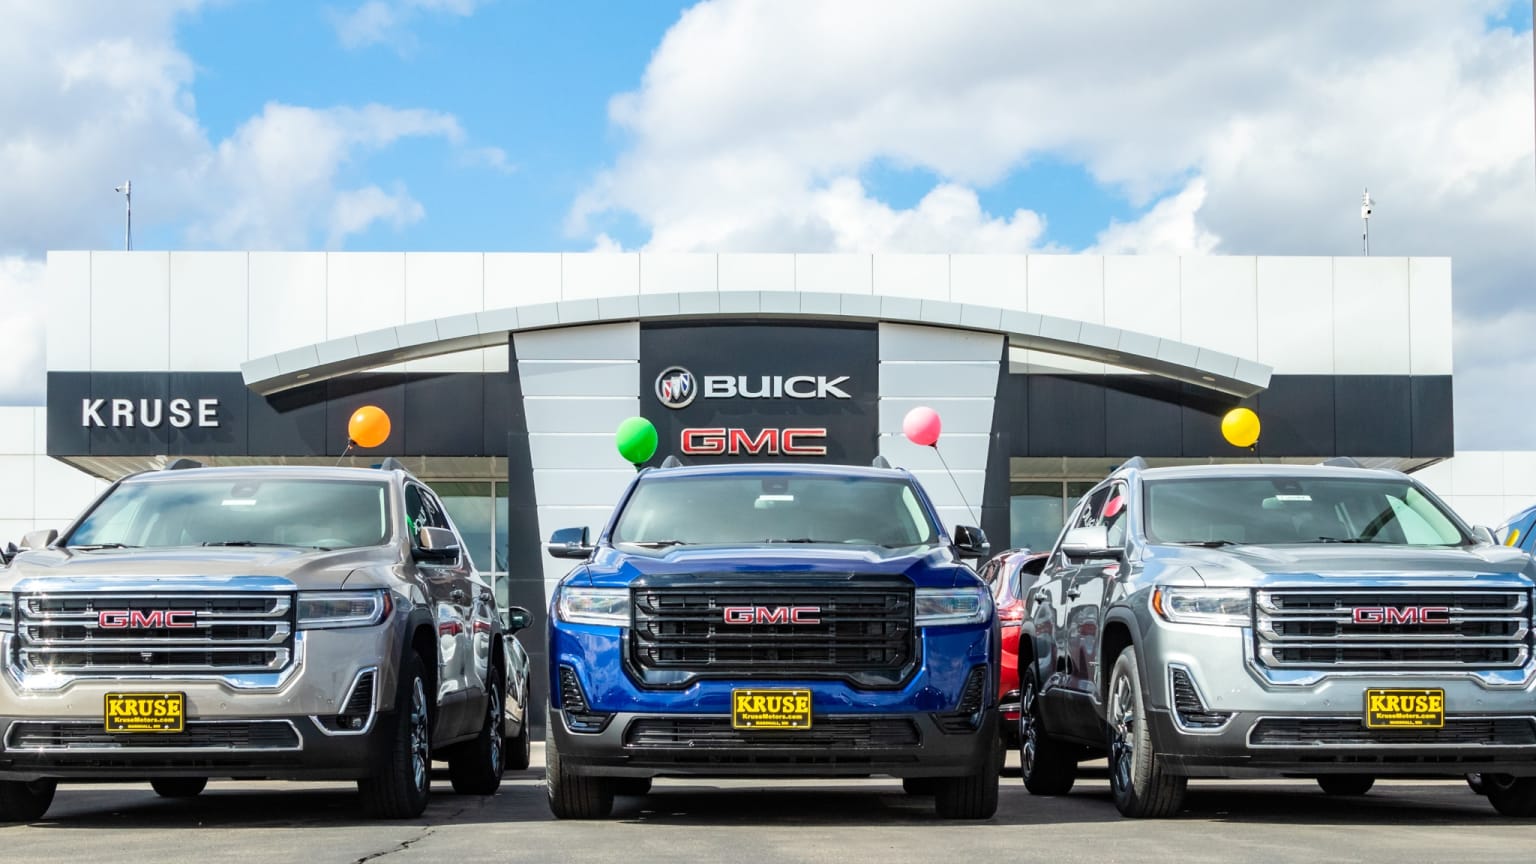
point(145, 712)
point(1404, 709)
point(771, 709)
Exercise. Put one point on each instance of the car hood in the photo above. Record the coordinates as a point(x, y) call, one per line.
point(190, 568)
point(927, 566)
point(1330, 563)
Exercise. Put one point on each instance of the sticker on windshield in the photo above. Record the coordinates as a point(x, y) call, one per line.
point(1293, 497)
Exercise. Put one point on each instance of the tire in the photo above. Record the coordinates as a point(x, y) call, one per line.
point(632, 786)
point(1346, 784)
point(573, 796)
point(1511, 796)
point(1475, 783)
point(179, 787)
point(23, 801)
point(1048, 766)
point(919, 785)
point(518, 749)
point(1140, 786)
point(972, 797)
point(475, 767)
point(404, 780)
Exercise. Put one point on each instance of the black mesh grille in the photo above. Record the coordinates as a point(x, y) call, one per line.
point(1306, 732)
point(967, 714)
point(1191, 709)
point(864, 633)
point(825, 732)
point(253, 735)
point(571, 697)
point(362, 698)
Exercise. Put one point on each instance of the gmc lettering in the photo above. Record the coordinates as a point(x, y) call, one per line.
point(719, 441)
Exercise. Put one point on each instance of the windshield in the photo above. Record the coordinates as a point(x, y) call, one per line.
point(774, 508)
point(326, 514)
point(1279, 510)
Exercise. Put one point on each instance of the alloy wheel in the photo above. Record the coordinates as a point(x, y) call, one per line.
point(421, 756)
point(1029, 728)
point(1122, 724)
point(495, 724)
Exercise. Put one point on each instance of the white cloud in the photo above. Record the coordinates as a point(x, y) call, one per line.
point(356, 209)
point(1245, 128)
point(387, 22)
point(22, 297)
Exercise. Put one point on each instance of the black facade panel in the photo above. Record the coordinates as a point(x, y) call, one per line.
point(134, 419)
point(1143, 416)
point(444, 415)
point(1296, 416)
point(1434, 428)
point(995, 519)
point(1201, 413)
point(525, 562)
point(229, 438)
point(499, 413)
point(1373, 415)
point(292, 423)
point(346, 395)
point(67, 392)
point(1065, 415)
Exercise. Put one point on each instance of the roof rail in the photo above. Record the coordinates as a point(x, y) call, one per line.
point(672, 461)
point(881, 462)
point(390, 463)
point(182, 464)
point(1134, 462)
point(1342, 462)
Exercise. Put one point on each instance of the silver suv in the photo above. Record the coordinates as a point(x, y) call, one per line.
point(1250, 621)
point(272, 622)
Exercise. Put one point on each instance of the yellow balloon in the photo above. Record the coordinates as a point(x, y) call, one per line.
point(1240, 427)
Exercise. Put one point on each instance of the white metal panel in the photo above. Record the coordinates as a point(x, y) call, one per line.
point(1068, 286)
point(12, 530)
point(586, 487)
point(1429, 316)
point(577, 378)
point(365, 291)
point(287, 292)
point(925, 379)
point(1141, 293)
point(1219, 303)
point(1370, 316)
point(69, 288)
point(62, 492)
point(620, 341)
point(599, 274)
point(915, 342)
point(17, 487)
point(579, 415)
point(208, 301)
point(1295, 315)
point(677, 272)
point(440, 284)
point(757, 271)
point(574, 450)
point(956, 448)
point(919, 276)
point(1479, 472)
point(960, 414)
point(521, 278)
point(1519, 473)
point(835, 273)
point(990, 280)
point(18, 432)
point(130, 311)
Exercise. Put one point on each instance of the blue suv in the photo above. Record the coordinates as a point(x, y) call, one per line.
point(772, 621)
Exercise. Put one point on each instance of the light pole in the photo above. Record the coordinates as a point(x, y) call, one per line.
point(1366, 205)
point(127, 190)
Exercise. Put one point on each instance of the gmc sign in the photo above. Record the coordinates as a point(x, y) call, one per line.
point(721, 441)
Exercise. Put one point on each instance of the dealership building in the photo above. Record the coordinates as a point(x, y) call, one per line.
point(506, 374)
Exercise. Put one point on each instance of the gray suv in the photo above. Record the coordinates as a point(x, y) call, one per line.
point(1249, 621)
point(257, 622)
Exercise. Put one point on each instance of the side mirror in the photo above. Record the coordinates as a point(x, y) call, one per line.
point(39, 539)
point(971, 542)
point(570, 543)
point(8, 553)
point(1483, 536)
point(1089, 542)
point(518, 618)
point(436, 544)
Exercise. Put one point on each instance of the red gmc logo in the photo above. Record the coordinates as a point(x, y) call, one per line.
point(153, 619)
point(1401, 615)
point(769, 442)
point(772, 615)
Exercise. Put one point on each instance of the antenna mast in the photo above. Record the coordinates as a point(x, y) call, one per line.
point(1366, 204)
point(127, 190)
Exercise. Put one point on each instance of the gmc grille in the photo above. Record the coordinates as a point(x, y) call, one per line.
point(863, 634)
point(1484, 629)
point(1331, 732)
point(62, 633)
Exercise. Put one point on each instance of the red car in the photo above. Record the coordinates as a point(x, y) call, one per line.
point(1010, 574)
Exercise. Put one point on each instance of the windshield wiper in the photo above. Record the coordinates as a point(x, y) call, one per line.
point(259, 543)
point(656, 544)
point(1205, 544)
point(91, 547)
point(1350, 540)
point(796, 540)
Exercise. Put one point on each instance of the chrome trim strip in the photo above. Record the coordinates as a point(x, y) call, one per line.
point(1267, 630)
point(1173, 707)
point(40, 681)
point(1373, 745)
point(1267, 655)
point(203, 585)
point(11, 746)
point(373, 709)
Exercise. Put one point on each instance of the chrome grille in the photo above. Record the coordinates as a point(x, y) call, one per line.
point(198, 735)
point(1481, 629)
point(220, 633)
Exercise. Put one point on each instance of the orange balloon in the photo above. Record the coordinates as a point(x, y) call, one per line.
point(369, 426)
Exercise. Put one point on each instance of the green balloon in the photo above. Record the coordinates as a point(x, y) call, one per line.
point(636, 440)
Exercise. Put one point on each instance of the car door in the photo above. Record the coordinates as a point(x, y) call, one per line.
point(1046, 605)
point(450, 590)
point(1090, 588)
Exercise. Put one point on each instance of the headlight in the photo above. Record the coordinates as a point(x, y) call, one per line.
point(1225, 607)
point(608, 606)
point(7, 613)
point(324, 610)
point(939, 606)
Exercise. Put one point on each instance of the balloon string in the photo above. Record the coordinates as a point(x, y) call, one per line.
point(955, 481)
point(345, 452)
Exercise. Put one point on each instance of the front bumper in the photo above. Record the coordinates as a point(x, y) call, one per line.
point(835, 746)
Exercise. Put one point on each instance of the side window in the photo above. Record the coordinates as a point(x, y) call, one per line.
point(988, 572)
point(422, 510)
point(1113, 515)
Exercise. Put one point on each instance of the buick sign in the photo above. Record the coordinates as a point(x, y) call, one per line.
point(676, 387)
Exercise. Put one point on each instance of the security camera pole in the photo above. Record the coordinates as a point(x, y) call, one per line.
point(1365, 216)
point(127, 190)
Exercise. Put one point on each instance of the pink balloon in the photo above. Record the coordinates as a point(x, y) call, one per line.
point(921, 426)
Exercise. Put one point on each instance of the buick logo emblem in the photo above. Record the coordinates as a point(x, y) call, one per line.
point(676, 387)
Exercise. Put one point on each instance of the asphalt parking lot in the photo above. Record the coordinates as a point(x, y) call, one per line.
point(789, 821)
